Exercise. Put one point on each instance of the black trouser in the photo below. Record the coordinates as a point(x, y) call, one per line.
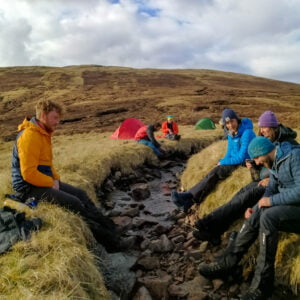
point(76, 200)
point(208, 183)
point(221, 218)
point(265, 223)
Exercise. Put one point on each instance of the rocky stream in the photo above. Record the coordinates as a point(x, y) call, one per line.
point(164, 260)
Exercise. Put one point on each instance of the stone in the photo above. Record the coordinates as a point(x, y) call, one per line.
point(177, 291)
point(149, 263)
point(142, 294)
point(160, 229)
point(131, 212)
point(178, 239)
point(203, 246)
point(161, 245)
point(217, 283)
point(123, 221)
point(140, 191)
point(157, 286)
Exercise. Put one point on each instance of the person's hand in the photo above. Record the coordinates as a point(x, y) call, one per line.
point(264, 182)
point(218, 164)
point(248, 213)
point(55, 184)
point(264, 202)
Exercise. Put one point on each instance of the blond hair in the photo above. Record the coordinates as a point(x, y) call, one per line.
point(45, 106)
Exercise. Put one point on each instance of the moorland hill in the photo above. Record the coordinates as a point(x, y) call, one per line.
point(98, 98)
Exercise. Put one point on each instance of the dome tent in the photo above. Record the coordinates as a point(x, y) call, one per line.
point(127, 129)
point(204, 124)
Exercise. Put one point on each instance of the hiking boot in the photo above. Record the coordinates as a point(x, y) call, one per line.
point(214, 239)
point(182, 200)
point(255, 295)
point(215, 270)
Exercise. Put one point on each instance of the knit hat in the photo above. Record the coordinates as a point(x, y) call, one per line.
point(170, 117)
point(268, 119)
point(228, 114)
point(260, 146)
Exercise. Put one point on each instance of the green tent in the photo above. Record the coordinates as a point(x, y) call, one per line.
point(205, 123)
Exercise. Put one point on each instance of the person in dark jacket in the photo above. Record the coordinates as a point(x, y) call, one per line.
point(145, 136)
point(239, 135)
point(212, 226)
point(33, 175)
point(278, 210)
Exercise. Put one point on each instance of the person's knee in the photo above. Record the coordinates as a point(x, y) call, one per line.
point(269, 219)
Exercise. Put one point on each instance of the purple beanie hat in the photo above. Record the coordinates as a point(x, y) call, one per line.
point(268, 119)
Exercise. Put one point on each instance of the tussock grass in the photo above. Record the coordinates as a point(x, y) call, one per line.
point(56, 263)
point(288, 254)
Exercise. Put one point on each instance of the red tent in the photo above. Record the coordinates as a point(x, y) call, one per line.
point(127, 129)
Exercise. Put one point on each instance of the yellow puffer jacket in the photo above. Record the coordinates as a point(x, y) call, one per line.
point(32, 157)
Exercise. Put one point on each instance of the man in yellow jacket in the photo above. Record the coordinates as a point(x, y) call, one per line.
point(33, 174)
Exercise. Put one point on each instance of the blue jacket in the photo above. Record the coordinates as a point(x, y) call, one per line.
point(237, 149)
point(284, 185)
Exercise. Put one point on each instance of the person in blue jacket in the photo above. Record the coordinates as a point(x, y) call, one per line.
point(277, 210)
point(239, 135)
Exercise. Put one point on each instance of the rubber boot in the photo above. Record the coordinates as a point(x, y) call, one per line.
point(183, 200)
point(227, 263)
point(263, 280)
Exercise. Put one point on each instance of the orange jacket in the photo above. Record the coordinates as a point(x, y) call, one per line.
point(165, 129)
point(32, 157)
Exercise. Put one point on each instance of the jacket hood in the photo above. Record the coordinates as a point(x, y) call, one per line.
point(244, 125)
point(286, 134)
point(283, 150)
point(32, 124)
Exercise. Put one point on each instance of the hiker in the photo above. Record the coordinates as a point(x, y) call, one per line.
point(170, 129)
point(212, 226)
point(33, 174)
point(278, 210)
point(145, 136)
point(239, 135)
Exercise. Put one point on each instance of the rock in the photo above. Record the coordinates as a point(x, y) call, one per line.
point(178, 239)
point(140, 191)
point(109, 186)
point(217, 283)
point(157, 286)
point(190, 273)
point(160, 229)
point(122, 221)
point(142, 294)
point(145, 244)
point(149, 263)
point(203, 246)
point(196, 254)
point(177, 291)
point(162, 245)
point(118, 175)
point(131, 212)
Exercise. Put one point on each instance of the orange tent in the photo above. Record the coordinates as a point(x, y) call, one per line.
point(127, 129)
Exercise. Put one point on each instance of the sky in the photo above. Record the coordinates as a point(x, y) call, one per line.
point(255, 37)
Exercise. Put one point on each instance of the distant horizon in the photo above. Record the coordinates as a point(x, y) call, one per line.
point(141, 68)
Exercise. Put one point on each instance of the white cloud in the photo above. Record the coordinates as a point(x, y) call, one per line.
point(259, 37)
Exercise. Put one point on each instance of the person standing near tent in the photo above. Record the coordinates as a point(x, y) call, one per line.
point(277, 210)
point(33, 175)
point(145, 136)
point(240, 133)
point(170, 129)
point(212, 226)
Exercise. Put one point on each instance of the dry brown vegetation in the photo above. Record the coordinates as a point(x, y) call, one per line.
point(97, 100)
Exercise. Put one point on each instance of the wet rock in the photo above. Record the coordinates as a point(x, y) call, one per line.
point(131, 212)
point(140, 191)
point(142, 294)
point(161, 245)
point(149, 263)
point(123, 221)
point(157, 286)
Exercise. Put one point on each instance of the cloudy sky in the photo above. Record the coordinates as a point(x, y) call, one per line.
point(257, 37)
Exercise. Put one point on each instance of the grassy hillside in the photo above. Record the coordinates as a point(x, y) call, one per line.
point(97, 100)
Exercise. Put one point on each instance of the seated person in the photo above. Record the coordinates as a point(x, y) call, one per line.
point(239, 135)
point(212, 226)
point(170, 129)
point(145, 136)
point(33, 175)
point(277, 210)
